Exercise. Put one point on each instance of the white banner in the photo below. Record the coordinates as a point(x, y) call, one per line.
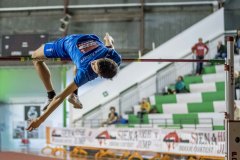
point(209, 143)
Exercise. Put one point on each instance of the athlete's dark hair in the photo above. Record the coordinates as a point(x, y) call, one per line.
point(107, 68)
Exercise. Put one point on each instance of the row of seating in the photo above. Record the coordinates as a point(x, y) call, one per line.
point(158, 101)
point(203, 108)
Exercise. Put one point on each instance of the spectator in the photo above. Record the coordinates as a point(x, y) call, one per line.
point(145, 105)
point(221, 51)
point(237, 42)
point(179, 86)
point(236, 112)
point(237, 84)
point(112, 117)
point(122, 120)
point(145, 108)
point(237, 81)
point(200, 49)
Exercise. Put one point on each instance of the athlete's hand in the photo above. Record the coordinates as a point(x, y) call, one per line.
point(34, 124)
point(108, 40)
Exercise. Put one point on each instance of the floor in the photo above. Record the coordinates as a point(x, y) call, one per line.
point(23, 156)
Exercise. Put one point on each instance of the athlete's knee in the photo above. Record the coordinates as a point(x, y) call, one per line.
point(34, 54)
point(38, 53)
point(37, 63)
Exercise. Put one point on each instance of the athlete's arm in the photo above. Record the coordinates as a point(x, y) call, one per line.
point(52, 106)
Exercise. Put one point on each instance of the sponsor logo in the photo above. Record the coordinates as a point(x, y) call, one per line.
point(87, 46)
point(172, 138)
point(105, 135)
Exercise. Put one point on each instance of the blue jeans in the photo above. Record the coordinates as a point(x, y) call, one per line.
point(221, 56)
point(199, 65)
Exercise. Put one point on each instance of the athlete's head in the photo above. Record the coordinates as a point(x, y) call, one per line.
point(105, 67)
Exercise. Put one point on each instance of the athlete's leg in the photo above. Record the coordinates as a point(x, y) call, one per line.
point(44, 74)
point(75, 72)
point(73, 98)
point(42, 69)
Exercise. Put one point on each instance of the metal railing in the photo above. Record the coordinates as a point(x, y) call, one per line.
point(190, 123)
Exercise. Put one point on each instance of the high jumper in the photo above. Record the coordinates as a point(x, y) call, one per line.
point(92, 59)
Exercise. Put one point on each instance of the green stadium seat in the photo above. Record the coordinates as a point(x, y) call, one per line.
point(209, 69)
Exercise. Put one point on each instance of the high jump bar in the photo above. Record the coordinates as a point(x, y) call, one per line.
point(25, 58)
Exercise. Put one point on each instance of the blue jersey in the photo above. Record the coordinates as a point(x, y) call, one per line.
point(81, 49)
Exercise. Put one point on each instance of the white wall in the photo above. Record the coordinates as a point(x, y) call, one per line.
point(176, 47)
point(15, 114)
point(20, 87)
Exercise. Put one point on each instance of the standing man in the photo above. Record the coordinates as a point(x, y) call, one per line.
point(92, 59)
point(200, 49)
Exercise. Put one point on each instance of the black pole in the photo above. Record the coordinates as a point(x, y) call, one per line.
point(24, 59)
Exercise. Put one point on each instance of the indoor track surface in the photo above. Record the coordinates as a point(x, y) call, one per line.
point(23, 156)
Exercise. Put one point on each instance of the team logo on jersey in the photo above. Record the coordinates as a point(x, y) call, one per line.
point(87, 46)
point(49, 50)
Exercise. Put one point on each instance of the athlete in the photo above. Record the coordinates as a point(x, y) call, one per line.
point(92, 58)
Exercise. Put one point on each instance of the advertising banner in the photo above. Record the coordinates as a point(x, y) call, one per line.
point(209, 143)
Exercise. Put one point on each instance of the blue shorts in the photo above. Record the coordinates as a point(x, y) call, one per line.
point(51, 50)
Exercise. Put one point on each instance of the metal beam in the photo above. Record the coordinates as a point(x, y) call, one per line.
point(101, 17)
point(162, 4)
point(142, 28)
point(106, 6)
